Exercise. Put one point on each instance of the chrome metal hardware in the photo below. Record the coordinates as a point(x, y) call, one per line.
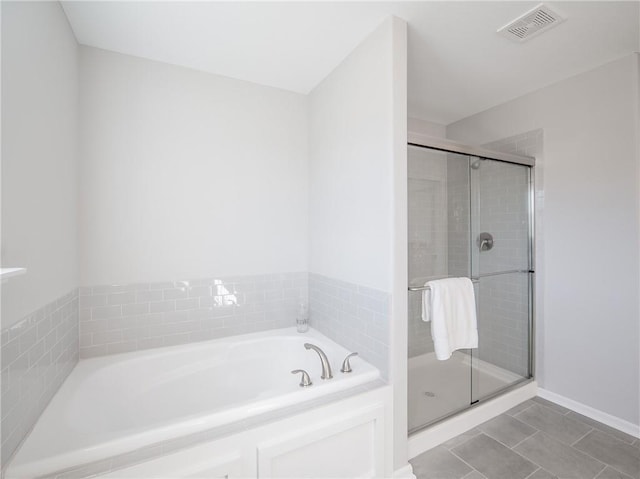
point(305, 380)
point(326, 367)
point(346, 365)
point(474, 279)
point(485, 242)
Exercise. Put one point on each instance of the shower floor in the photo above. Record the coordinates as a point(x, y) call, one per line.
point(438, 388)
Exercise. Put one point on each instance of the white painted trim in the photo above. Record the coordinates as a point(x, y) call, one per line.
point(443, 431)
point(405, 472)
point(595, 414)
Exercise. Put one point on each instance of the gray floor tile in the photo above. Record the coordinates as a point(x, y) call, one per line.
point(520, 407)
point(506, 429)
point(621, 456)
point(474, 475)
point(439, 463)
point(556, 407)
point(611, 473)
point(493, 459)
point(542, 474)
point(554, 424)
point(462, 438)
point(602, 427)
point(559, 458)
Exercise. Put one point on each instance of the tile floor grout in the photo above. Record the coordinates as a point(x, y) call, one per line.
point(595, 463)
point(472, 468)
point(539, 468)
point(591, 429)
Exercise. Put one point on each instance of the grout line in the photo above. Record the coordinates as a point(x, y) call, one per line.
point(525, 457)
point(575, 449)
point(528, 437)
point(550, 407)
point(515, 452)
point(582, 437)
point(463, 442)
point(465, 462)
point(606, 432)
point(473, 468)
point(533, 473)
point(520, 412)
point(605, 464)
point(619, 472)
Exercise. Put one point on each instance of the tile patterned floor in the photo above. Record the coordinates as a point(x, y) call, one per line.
point(535, 440)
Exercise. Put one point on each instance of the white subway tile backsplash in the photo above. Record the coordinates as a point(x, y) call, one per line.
point(149, 315)
point(38, 353)
point(354, 316)
point(105, 312)
point(150, 295)
point(162, 306)
point(126, 297)
point(176, 293)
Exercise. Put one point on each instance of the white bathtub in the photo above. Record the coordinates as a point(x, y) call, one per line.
point(115, 404)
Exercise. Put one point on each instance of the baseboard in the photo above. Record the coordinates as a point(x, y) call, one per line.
point(595, 414)
point(448, 429)
point(405, 472)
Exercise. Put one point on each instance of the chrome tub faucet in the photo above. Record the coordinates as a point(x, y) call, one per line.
point(326, 367)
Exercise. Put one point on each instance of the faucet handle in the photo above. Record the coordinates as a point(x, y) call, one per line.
point(346, 366)
point(305, 380)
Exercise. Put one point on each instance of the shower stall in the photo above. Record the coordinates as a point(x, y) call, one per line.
point(470, 214)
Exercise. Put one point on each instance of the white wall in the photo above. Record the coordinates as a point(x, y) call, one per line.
point(39, 157)
point(591, 274)
point(358, 188)
point(350, 170)
point(187, 174)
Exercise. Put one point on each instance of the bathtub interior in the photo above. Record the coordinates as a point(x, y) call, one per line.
point(114, 404)
point(180, 382)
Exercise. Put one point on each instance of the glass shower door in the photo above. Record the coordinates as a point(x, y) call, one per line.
point(500, 249)
point(468, 217)
point(438, 233)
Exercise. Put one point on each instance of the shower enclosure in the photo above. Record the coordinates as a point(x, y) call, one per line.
point(470, 214)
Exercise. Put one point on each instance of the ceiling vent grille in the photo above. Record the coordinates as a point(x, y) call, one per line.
point(532, 23)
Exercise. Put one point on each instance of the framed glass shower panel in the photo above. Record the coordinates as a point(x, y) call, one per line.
point(501, 258)
point(438, 234)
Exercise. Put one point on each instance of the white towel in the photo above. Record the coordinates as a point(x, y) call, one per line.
point(450, 305)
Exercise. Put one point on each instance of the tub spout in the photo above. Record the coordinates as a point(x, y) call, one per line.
point(326, 367)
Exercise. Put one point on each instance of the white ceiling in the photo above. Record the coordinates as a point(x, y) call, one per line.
point(458, 65)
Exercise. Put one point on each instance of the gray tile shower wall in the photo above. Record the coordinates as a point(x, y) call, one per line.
point(503, 326)
point(354, 316)
point(131, 317)
point(38, 353)
point(428, 246)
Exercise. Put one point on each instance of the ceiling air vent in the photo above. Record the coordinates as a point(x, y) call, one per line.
point(532, 23)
